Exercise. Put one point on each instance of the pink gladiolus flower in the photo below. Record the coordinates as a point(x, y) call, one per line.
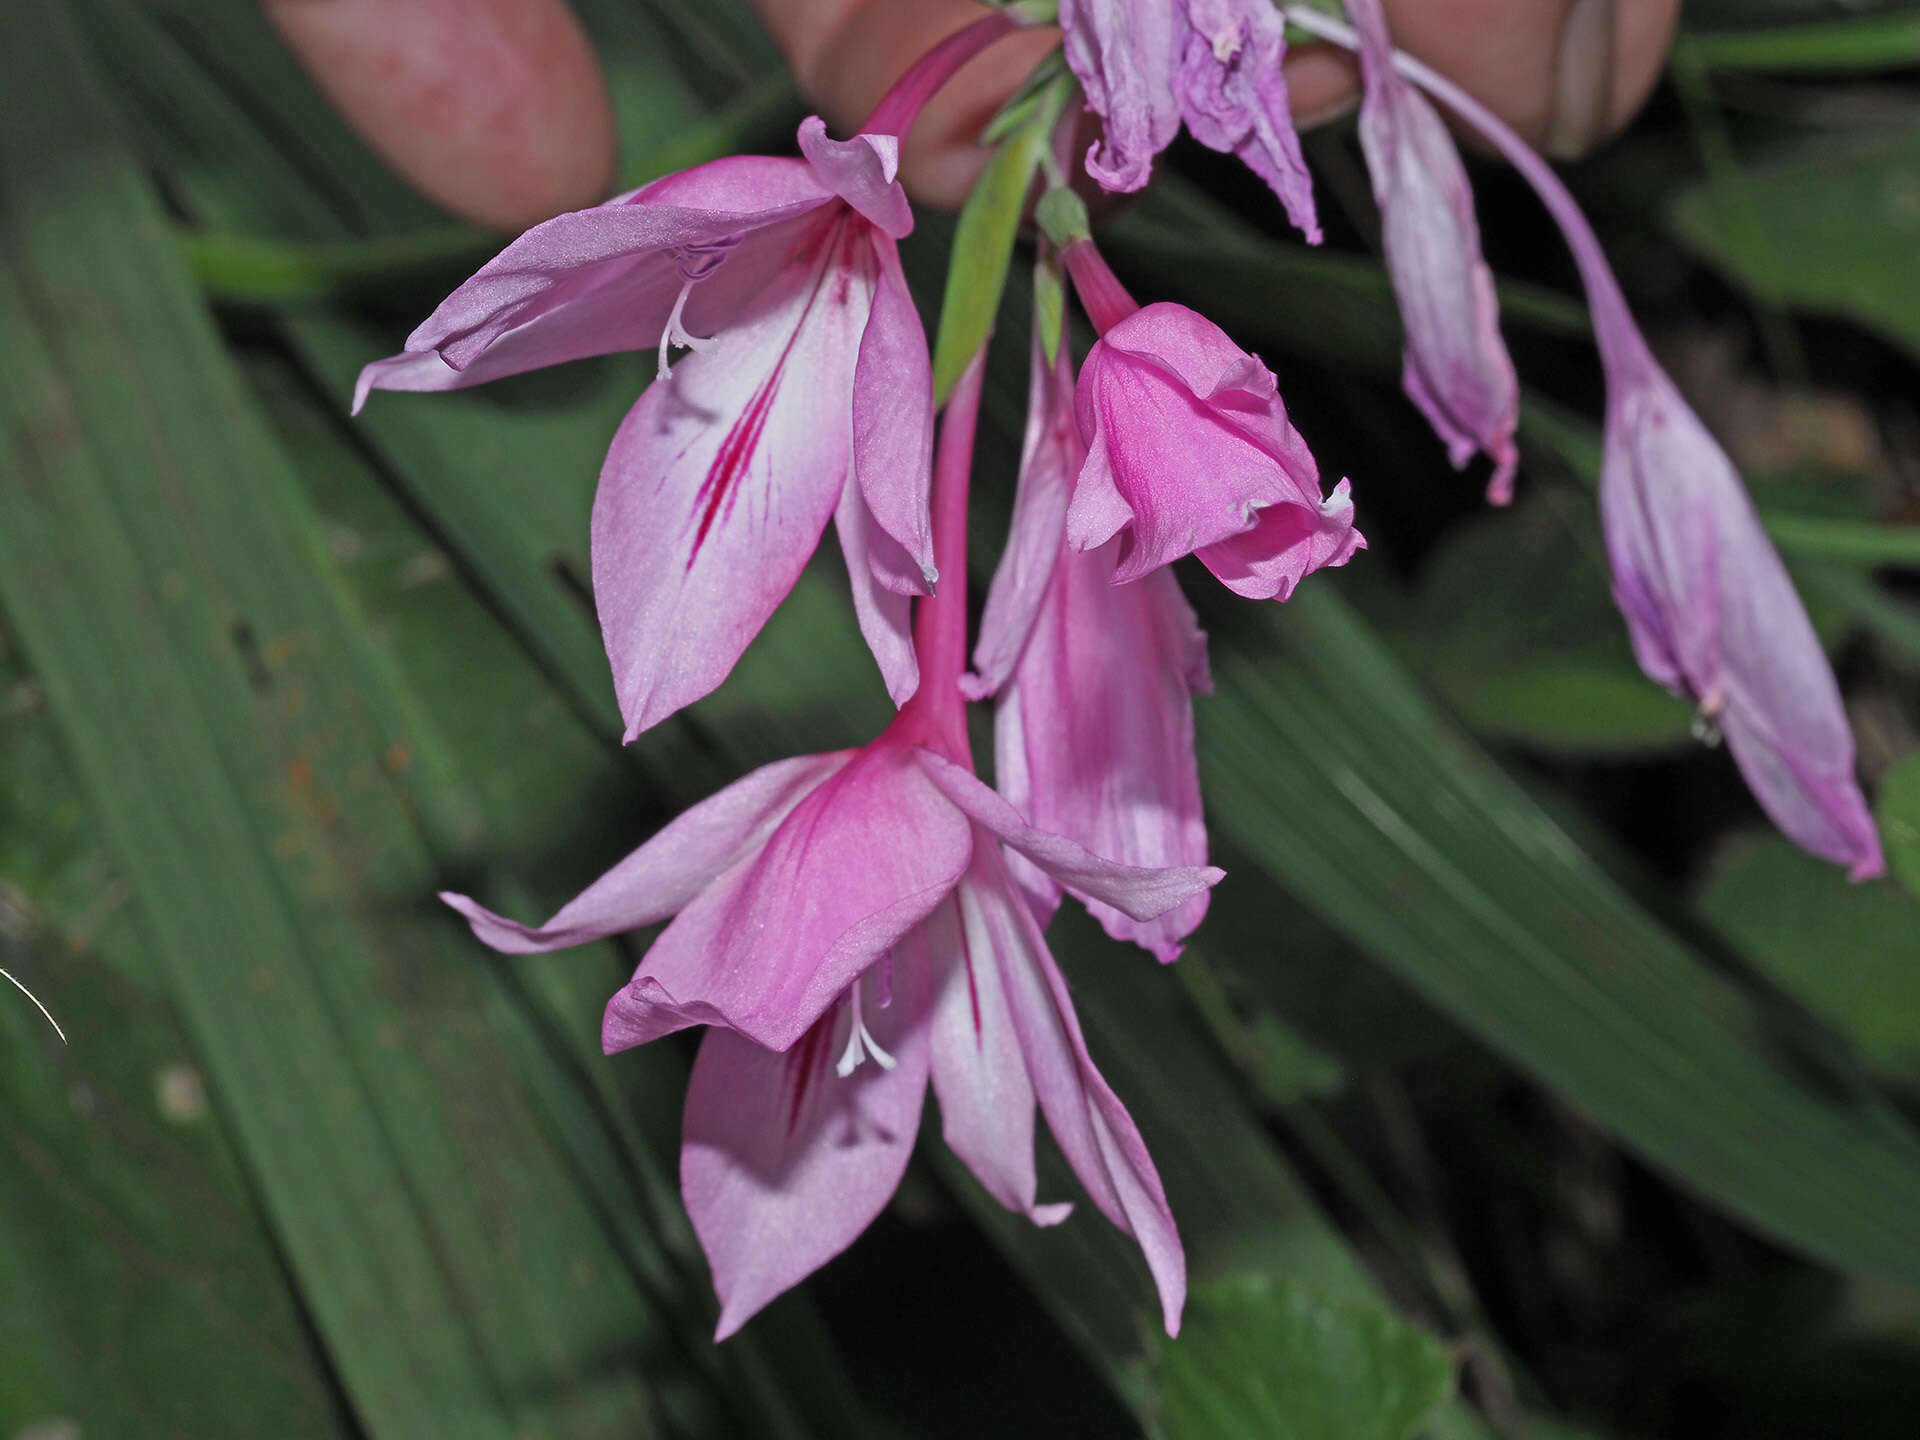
point(1093, 734)
point(852, 907)
point(1711, 611)
point(1190, 451)
point(1233, 96)
point(809, 370)
point(1457, 369)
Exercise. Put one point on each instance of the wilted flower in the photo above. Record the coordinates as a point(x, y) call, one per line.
point(1708, 604)
point(1233, 96)
point(1712, 613)
point(1145, 65)
point(1457, 369)
point(1189, 451)
point(1093, 735)
point(1123, 52)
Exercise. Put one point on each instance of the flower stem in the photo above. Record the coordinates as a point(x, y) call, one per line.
point(901, 105)
point(1618, 337)
point(1105, 298)
point(940, 620)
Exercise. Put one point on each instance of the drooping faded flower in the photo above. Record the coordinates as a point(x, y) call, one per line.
point(1123, 52)
point(809, 371)
point(1093, 734)
point(1712, 614)
point(1190, 452)
point(1457, 369)
point(1233, 96)
point(1146, 65)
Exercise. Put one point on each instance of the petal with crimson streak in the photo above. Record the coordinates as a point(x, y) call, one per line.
point(783, 1161)
point(721, 479)
point(773, 943)
point(978, 1072)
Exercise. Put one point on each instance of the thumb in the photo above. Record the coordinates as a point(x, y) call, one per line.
point(494, 109)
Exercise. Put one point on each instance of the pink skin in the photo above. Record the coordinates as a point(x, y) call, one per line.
point(1710, 608)
point(534, 139)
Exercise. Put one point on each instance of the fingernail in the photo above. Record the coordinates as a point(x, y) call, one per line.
point(1582, 79)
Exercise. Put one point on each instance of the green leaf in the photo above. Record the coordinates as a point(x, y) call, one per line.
point(1513, 624)
point(1286, 1363)
point(1863, 42)
point(130, 1244)
point(130, 1248)
point(1899, 815)
point(1320, 759)
point(983, 243)
point(1845, 951)
point(1829, 225)
point(159, 563)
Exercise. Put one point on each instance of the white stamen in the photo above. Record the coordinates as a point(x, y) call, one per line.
point(676, 333)
point(63, 1034)
point(860, 1042)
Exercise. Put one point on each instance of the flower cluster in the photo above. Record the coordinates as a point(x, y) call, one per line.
point(853, 927)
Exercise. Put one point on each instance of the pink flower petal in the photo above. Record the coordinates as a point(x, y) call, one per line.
point(663, 875)
point(861, 171)
point(593, 282)
point(1189, 446)
point(1101, 713)
point(1094, 1131)
point(1715, 618)
point(1233, 95)
point(1049, 460)
point(893, 421)
point(770, 945)
point(979, 1075)
point(1123, 54)
point(721, 479)
point(1286, 544)
point(1457, 368)
point(784, 1161)
point(885, 616)
point(1137, 892)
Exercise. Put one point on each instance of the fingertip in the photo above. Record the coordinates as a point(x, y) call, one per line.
point(494, 109)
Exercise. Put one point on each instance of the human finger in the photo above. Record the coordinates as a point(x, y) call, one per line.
point(495, 109)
